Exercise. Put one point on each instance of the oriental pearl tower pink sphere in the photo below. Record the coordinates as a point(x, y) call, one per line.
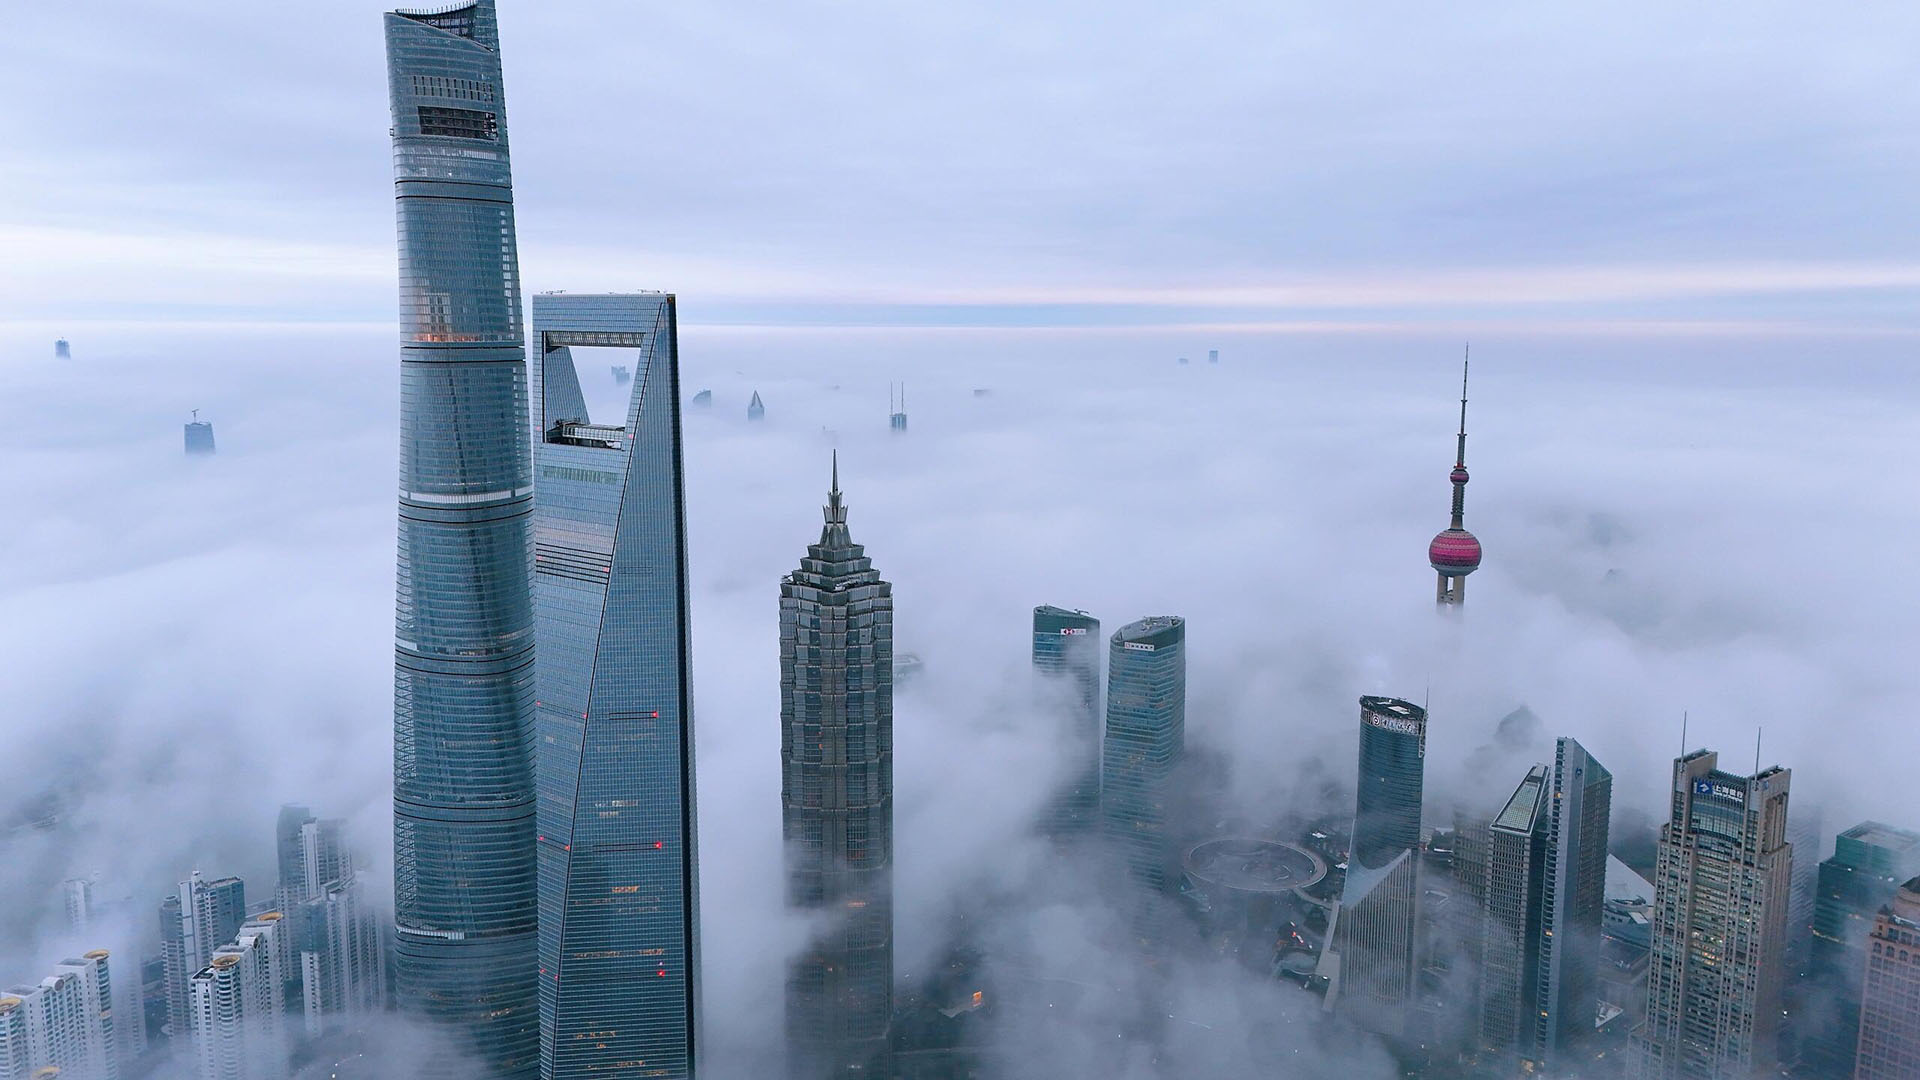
point(1455, 552)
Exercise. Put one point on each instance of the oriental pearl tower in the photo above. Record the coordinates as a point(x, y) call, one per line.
point(1455, 552)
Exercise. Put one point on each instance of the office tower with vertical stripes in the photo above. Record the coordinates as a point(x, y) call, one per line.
point(1066, 652)
point(836, 800)
point(1545, 891)
point(464, 864)
point(1145, 738)
point(1721, 879)
point(619, 911)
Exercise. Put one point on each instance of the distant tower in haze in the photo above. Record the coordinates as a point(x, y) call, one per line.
point(1213, 356)
point(1066, 647)
point(755, 410)
point(61, 350)
point(290, 855)
point(81, 905)
point(1146, 734)
point(199, 435)
point(836, 800)
point(703, 399)
point(622, 374)
point(1719, 915)
point(897, 411)
point(1455, 552)
point(1889, 1020)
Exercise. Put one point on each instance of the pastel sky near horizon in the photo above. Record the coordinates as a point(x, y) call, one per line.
point(1628, 168)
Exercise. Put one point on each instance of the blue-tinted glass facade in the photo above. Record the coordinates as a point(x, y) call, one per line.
point(1546, 886)
point(1393, 753)
point(836, 801)
point(1146, 734)
point(614, 757)
point(464, 892)
point(1066, 646)
point(1868, 864)
point(1573, 893)
point(1378, 897)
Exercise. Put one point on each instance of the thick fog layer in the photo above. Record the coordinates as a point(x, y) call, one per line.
point(1716, 526)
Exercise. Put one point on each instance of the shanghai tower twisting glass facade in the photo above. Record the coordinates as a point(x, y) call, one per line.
point(618, 914)
point(464, 894)
point(836, 800)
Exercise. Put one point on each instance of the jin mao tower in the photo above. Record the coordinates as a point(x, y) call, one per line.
point(836, 799)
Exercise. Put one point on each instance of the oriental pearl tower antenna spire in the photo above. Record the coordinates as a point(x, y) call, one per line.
point(1455, 552)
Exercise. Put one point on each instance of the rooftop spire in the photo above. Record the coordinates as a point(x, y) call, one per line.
point(1460, 457)
point(836, 513)
point(1459, 476)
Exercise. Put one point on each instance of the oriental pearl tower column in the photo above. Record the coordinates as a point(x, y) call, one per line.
point(1455, 552)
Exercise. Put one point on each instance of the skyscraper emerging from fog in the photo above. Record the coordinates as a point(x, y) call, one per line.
point(81, 906)
point(239, 1020)
point(331, 941)
point(836, 799)
point(1374, 927)
point(290, 874)
point(1868, 864)
point(199, 436)
point(1546, 888)
point(1890, 999)
point(1066, 648)
point(1146, 734)
point(201, 917)
point(618, 909)
point(464, 891)
point(1515, 851)
point(1719, 915)
point(1454, 552)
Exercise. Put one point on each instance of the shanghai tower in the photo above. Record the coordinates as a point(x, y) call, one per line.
point(463, 831)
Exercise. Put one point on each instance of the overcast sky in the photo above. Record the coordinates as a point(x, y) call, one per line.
point(1709, 166)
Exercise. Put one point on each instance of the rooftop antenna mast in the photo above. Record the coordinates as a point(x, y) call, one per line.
point(1683, 733)
point(1757, 732)
point(1466, 361)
